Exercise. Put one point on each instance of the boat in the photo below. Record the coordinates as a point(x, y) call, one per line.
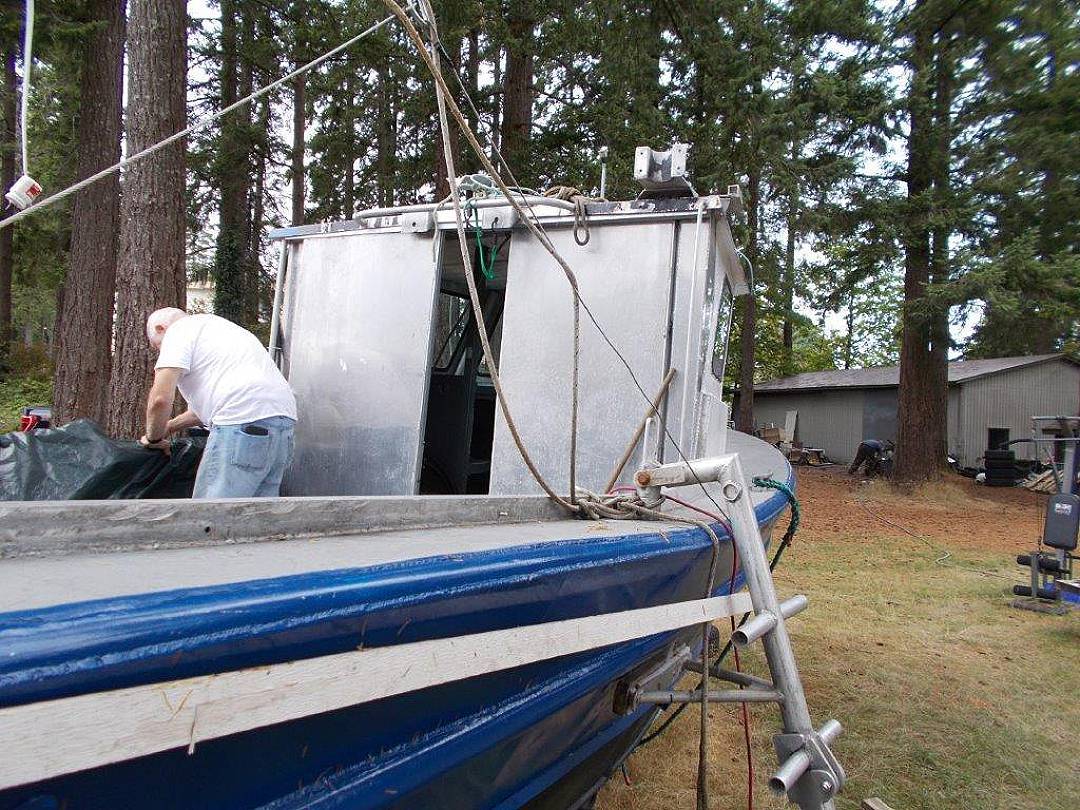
point(398, 629)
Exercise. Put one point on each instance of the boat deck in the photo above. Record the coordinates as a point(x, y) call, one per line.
point(118, 563)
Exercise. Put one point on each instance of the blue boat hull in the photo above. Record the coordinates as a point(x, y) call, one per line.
point(541, 735)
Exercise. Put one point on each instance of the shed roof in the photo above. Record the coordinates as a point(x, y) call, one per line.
point(889, 376)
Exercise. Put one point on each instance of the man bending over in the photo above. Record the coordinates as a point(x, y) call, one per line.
point(232, 387)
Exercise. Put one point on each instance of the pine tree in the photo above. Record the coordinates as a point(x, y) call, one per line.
point(151, 271)
point(84, 322)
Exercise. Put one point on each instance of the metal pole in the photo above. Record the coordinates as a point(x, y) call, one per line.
point(1068, 475)
point(274, 344)
point(755, 566)
point(653, 409)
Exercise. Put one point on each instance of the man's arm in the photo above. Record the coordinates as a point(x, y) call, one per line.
point(182, 422)
point(159, 405)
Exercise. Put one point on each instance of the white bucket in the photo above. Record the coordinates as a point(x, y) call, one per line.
point(24, 192)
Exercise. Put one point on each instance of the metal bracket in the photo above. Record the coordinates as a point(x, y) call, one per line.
point(663, 174)
point(664, 674)
point(810, 774)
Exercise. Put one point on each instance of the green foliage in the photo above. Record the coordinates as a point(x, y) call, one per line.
point(807, 100)
point(19, 390)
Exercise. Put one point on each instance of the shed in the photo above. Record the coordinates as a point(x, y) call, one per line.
point(990, 401)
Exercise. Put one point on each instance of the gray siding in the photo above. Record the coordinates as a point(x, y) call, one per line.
point(1009, 399)
point(832, 420)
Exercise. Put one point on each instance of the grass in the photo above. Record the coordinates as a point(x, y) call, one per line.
point(949, 696)
point(18, 392)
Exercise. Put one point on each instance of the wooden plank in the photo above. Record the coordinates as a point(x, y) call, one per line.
point(874, 804)
point(71, 734)
point(790, 419)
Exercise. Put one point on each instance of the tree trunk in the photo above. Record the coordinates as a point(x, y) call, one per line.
point(86, 301)
point(150, 272)
point(231, 260)
point(299, 121)
point(923, 396)
point(788, 359)
point(7, 177)
point(745, 416)
point(298, 147)
point(350, 156)
point(849, 339)
point(518, 89)
point(386, 138)
point(442, 184)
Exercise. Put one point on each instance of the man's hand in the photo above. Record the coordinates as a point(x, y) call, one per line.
point(164, 445)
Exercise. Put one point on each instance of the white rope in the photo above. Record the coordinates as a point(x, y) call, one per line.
point(197, 127)
point(28, 61)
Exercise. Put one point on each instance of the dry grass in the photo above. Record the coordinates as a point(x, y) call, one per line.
point(950, 698)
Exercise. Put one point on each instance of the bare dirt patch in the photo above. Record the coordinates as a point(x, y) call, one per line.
point(956, 511)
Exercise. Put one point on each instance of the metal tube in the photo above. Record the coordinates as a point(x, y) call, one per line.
point(683, 421)
point(273, 344)
point(701, 470)
point(792, 769)
point(741, 678)
point(829, 731)
point(755, 566)
point(793, 606)
point(393, 210)
point(667, 697)
point(1068, 475)
point(789, 773)
point(653, 409)
point(754, 629)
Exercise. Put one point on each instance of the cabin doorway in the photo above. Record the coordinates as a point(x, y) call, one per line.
point(460, 422)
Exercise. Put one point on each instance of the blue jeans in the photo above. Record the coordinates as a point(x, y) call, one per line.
point(240, 464)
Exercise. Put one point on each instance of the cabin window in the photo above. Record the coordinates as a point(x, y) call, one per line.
point(723, 332)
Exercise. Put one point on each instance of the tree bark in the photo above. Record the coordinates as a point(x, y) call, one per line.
point(788, 328)
point(299, 120)
point(386, 138)
point(86, 301)
point(232, 163)
point(442, 183)
point(518, 89)
point(150, 272)
point(923, 395)
point(7, 177)
point(745, 417)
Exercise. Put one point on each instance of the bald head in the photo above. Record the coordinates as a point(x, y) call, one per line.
point(159, 322)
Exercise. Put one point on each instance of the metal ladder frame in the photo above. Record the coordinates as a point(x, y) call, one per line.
point(809, 774)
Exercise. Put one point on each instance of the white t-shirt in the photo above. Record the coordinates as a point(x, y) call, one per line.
point(228, 377)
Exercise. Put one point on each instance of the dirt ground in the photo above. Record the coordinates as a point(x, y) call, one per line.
point(957, 511)
point(950, 697)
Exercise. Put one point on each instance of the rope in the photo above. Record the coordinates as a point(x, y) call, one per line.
point(445, 101)
point(581, 220)
point(28, 62)
point(441, 98)
point(796, 510)
point(196, 127)
point(474, 145)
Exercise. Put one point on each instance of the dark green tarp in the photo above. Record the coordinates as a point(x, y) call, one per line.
point(79, 462)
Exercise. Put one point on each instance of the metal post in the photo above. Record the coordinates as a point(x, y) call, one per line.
point(777, 642)
point(274, 344)
point(1068, 475)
